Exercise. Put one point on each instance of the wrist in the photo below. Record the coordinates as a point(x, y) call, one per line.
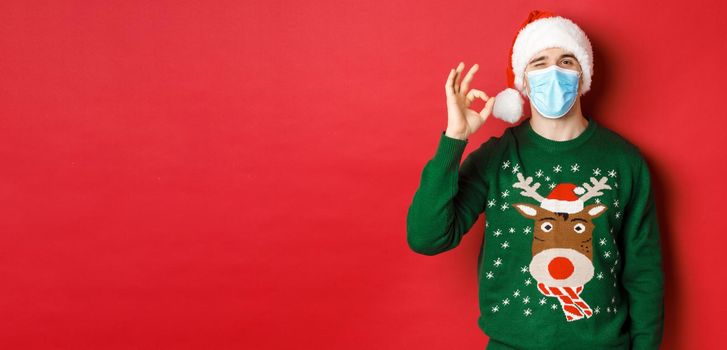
point(456, 134)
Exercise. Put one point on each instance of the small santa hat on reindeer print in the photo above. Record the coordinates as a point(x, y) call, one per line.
point(541, 30)
point(564, 198)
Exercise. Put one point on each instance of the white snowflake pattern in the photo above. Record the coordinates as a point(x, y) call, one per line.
point(597, 310)
point(539, 173)
point(575, 167)
point(516, 293)
point(526, 300)
point(489, 275)
point(505, 245)
point(506, 164)
point(554, 306)
point(612, 173)
point(542, 301)
point(504, 206)
point(596, 172)
point(599, 275)
point(613, 300)
point(497, 262)
point(615, 203)
point(607, 254)
point(547, 178)
point(602, 241)
point(490, 203)
point(608, 309)
point(506, 301)
point(524, 269)
point(497, 232)
point(557, 168)
point(512, 230)
point(495, 308)
point(551, 185)
point(598, 200)
point(516, 168)
point(527, 230)
point(505, 193)
point(528, 312)
point(618, 214)
point(528, 282)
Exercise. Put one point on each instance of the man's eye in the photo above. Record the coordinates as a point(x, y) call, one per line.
point(539, 64)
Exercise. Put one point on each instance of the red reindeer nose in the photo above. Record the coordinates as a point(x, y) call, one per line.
point(560, 268)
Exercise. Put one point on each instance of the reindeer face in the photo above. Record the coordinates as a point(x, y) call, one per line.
point(562, 244)
point(562, 230)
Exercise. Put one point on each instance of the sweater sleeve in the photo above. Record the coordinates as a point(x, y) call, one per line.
point(643, 277)
point(449, 199)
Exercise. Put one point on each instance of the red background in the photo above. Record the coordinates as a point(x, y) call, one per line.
point(227, 174)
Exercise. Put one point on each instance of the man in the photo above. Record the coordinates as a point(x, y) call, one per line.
point(571, 258)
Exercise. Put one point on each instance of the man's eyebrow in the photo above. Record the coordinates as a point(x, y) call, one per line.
point(561, 56)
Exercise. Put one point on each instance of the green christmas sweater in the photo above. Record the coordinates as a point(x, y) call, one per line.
point(571, 255)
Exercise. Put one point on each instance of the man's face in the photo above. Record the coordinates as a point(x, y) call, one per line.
point(551, 56)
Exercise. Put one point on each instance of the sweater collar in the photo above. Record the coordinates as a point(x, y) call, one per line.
point(526, 132)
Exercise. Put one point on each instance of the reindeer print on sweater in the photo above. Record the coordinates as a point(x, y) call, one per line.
point(560, 229)
point(562, 240)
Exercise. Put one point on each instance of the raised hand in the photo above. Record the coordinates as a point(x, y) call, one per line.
point(461, 120)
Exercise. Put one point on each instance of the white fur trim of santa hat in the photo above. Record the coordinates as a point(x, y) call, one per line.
point(562, 206)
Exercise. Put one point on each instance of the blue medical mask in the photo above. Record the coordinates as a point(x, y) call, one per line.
point(553, 90)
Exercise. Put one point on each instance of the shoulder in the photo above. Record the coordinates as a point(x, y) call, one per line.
point(489, 151)
point(507, 136)
point(633, 169)
point(617, 144)
point(495, 146)
point(485, 150)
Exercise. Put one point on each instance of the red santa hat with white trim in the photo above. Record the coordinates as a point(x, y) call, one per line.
point(564, 198)
point(541, 30)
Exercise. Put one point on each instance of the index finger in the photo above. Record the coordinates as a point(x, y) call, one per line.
point(468, 78)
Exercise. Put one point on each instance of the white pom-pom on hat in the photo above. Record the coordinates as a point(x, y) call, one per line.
point(508, 105)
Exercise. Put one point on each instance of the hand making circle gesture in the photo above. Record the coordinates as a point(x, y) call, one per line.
point(461, 120)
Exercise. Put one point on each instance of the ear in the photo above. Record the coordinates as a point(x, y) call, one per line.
point(527, 210)
point(595, 210)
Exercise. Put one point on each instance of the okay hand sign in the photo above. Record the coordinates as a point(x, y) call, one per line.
point(461, 120)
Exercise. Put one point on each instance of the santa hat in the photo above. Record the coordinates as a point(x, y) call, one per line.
point(542, 30)
point(564, 199)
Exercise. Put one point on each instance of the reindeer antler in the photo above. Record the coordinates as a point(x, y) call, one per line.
point(595, 190)
point(528, 191)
